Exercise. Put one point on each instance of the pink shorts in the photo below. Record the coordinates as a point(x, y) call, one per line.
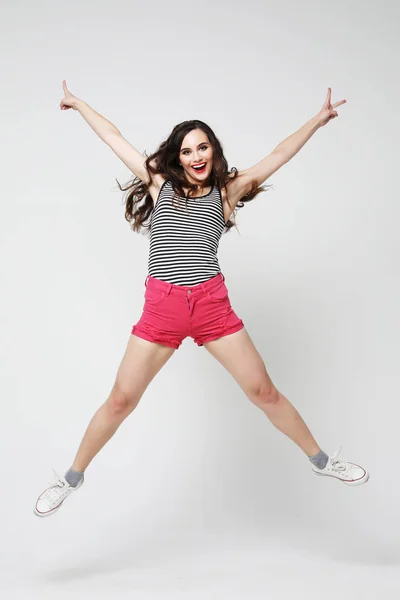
point(173, 312)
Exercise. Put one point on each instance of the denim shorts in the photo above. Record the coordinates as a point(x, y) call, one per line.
point(173, 312)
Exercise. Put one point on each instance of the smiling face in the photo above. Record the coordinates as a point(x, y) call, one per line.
point(196, 150)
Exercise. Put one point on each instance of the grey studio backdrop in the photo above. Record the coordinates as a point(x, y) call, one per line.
point(197, 482)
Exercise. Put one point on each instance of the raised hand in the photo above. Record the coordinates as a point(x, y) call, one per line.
point(69, 100)
point(328, 112)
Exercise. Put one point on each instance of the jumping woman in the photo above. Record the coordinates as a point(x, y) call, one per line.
point(185, 196)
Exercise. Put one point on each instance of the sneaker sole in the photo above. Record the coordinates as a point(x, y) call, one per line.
point(356, 482)
point(47, 514)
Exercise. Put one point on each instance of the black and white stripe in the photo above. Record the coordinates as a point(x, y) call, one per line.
point(184, 241)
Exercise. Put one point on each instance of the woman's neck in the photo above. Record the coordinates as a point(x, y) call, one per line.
point(200, 190)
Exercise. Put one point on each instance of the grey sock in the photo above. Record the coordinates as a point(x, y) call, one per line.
point(73, 477)
point(319, 460)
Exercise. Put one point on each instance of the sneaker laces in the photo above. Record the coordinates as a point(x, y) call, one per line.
point(336, 464)
point(58, 488)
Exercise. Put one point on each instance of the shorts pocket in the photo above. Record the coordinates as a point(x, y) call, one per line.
point(218, 294)
point(154, 295)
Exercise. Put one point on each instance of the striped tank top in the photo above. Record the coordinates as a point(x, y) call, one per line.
point(184, 241)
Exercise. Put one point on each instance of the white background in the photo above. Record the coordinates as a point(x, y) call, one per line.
point(198, 495)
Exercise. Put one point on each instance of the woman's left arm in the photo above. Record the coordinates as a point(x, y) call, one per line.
point(286, 149)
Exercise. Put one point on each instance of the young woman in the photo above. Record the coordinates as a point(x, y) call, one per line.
point(185, 194)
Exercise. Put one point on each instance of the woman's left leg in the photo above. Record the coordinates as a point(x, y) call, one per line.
point(237, 353)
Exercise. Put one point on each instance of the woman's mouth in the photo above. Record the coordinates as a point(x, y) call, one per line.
point(200, 168)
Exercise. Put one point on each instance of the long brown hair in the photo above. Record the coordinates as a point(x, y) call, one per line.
point(139, 204)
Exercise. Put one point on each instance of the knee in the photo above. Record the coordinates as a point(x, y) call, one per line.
point(120, 402)
point(264, 394)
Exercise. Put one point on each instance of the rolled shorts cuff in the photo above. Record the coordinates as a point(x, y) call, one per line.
point(152, 338)
point(226, 331)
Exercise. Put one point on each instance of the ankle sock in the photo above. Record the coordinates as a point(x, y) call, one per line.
point(73, 477)
point(319, 460)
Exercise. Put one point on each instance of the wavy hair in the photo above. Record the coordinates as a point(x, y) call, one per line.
point(165, 161)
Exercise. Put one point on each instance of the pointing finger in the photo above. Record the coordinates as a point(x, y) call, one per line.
point(328, 97)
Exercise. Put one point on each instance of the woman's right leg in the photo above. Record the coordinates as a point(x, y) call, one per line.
point(141, 362)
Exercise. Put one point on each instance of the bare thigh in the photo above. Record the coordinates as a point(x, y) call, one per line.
point(239, 356)
point(140, 364)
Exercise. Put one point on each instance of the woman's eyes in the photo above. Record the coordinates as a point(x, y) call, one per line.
point(201, 148)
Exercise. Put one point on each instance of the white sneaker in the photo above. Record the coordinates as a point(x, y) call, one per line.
point(51, 499)
point(348, 472)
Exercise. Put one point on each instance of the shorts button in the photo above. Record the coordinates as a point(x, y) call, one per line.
point(189, 291)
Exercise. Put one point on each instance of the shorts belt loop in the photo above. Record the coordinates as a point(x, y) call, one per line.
point(146, 280)
point(223, 277)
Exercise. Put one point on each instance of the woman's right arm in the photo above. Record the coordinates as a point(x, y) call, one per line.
point(130, 156)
